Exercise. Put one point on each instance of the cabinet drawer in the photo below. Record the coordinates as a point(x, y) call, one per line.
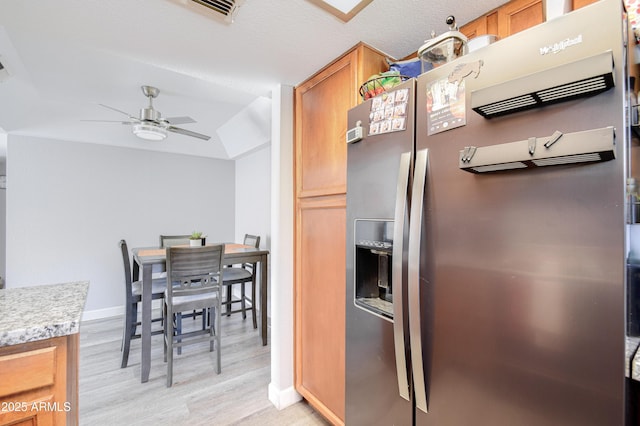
point(27, 370)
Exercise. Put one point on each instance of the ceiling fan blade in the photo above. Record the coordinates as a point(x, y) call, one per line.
point(110, 121)
point(188, 133)
point(179, 120)
point(120, 111)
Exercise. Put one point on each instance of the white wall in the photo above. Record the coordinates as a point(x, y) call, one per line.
point(69, 204)
point(253, 204)
point(282, 392)
point(253, 196)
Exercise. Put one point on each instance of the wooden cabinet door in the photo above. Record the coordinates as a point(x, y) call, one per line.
point(518, 15)
point(475, 28)
point(31, 415)
point(320, 301)
point(511, 18)
point(508, 19)
point(577, 4)
point(38, 382)
point(321, 123)
point(487, 24)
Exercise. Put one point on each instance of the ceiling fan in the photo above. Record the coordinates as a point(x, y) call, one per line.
point(151, 125)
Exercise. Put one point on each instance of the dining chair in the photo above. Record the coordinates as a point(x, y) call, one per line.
point(133, 296)
point(194, 282)
point(174, 240)
point(242, 274)
point(167, 241)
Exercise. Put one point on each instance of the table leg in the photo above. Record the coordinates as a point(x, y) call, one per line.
point(263, 299)
point(146, 323)
point(135, 273)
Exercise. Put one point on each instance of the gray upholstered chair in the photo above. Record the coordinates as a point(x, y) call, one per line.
point(133, 296)
point(241, 274)
point(194, 282)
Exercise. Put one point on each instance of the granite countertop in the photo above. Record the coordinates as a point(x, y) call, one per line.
point(41, 312)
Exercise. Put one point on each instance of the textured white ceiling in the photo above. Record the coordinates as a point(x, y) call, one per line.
point(66, 56)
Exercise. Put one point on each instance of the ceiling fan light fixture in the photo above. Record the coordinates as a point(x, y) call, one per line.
point(151, 125)
point(149, 132)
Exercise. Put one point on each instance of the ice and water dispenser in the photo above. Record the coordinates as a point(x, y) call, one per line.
point(373, 266)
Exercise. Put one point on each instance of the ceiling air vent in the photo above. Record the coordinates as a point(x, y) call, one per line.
point(585, 77)
point(225, 10)
point(226, 7)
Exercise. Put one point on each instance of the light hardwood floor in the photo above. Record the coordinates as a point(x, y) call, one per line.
point(110, 395)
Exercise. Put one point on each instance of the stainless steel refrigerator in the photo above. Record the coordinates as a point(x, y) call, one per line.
point(486, 235)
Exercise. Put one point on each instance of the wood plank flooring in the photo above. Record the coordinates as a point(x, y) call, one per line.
point(110, 395)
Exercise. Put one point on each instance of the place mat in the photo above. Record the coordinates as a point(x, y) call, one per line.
point(228, 248)
point(233, 247)
point(151, 252)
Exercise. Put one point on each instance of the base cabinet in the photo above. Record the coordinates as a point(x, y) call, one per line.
point(321, 322)
point(39, 382)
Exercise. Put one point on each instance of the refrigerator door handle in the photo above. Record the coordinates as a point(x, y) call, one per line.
point(399, 285)
point(415, 240)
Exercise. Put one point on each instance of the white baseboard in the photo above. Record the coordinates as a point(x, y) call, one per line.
point(113, 311)
point(103, 313)
point(281, 399)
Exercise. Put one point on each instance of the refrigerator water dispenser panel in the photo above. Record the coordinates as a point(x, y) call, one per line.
point(373, 260)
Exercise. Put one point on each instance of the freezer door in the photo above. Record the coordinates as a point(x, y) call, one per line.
point(376, 264)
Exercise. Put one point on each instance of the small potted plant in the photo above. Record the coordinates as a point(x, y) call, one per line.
point(196, 239)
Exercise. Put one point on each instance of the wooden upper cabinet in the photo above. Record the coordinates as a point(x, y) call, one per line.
point(508, 19)
point(577, 4)
point(518, 15)
point(475, 28)
point(320, 105)
point(321, 109)
point(511, 18)
point(487, 24)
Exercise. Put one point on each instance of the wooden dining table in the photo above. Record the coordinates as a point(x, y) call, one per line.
point(145, 258)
